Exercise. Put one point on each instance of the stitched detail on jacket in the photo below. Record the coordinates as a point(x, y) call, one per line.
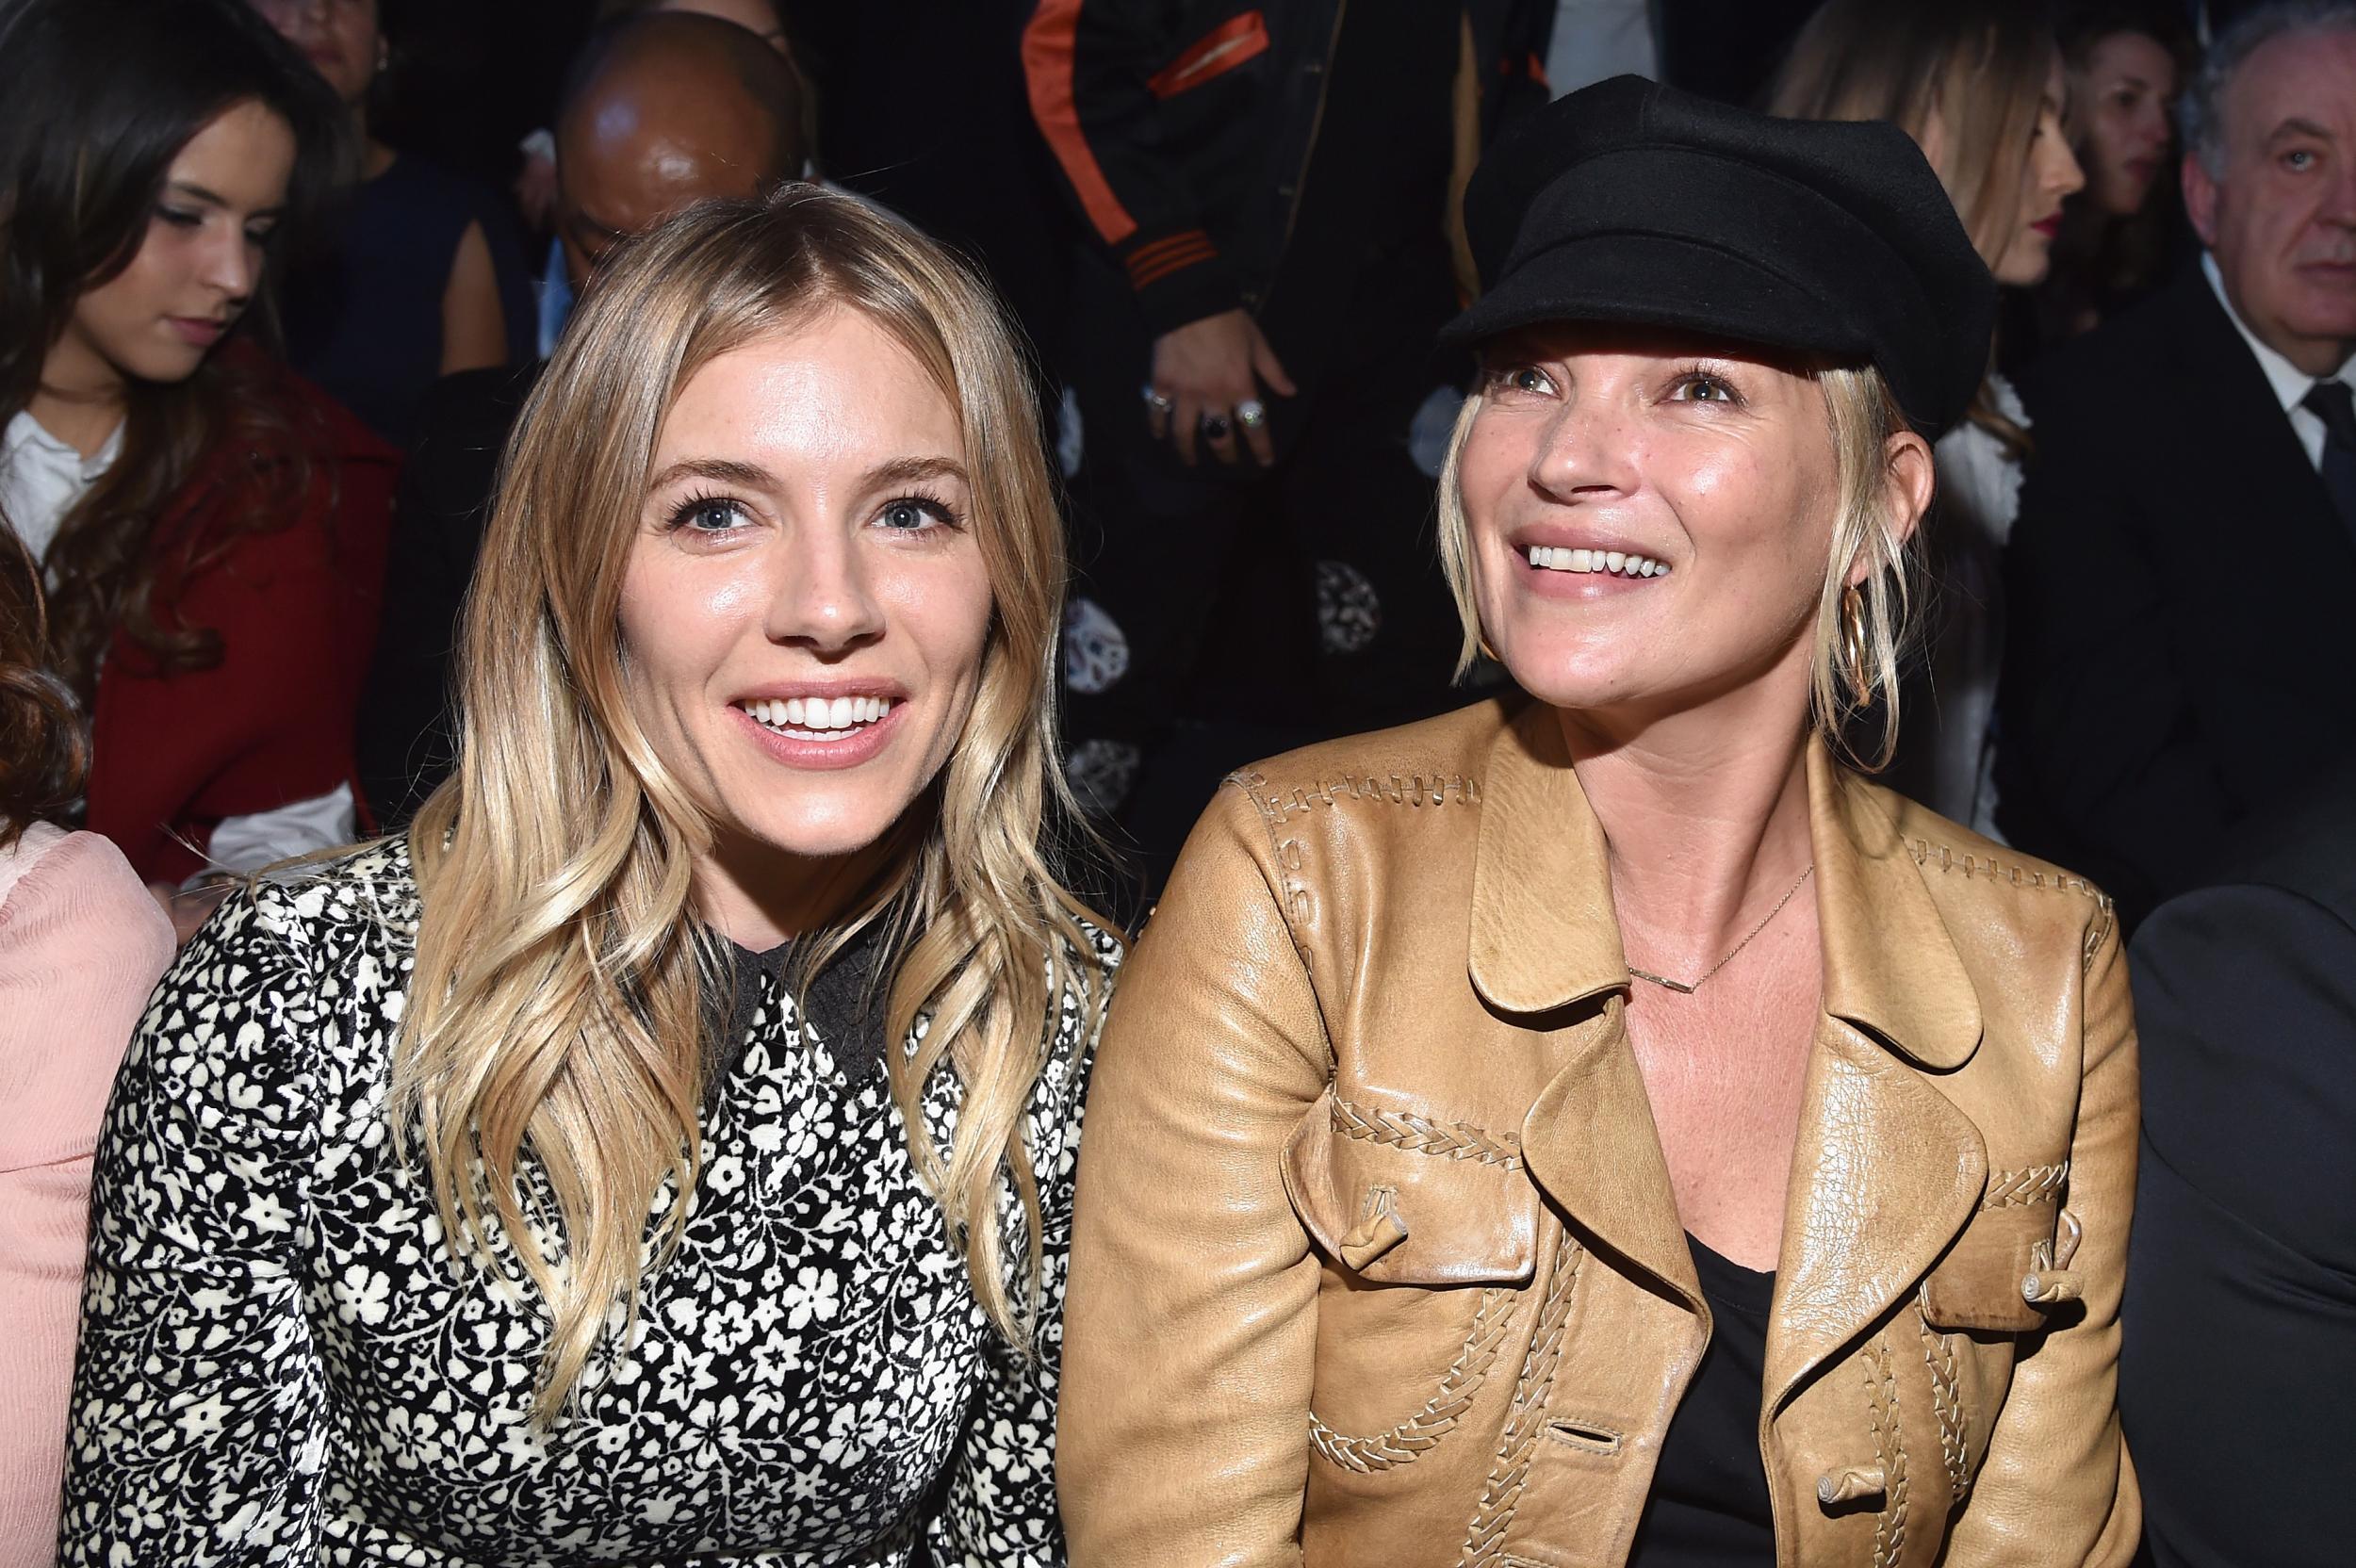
point(1298, 904)
point(1881, 1396)
point(1418, 789)
point(1933, 857)
point(1501, 1494)
point(2026, 1187)
point(1459, 1385)
point(1417, 1134)
point(1938, 1354)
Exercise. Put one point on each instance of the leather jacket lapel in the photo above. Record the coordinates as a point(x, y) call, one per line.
point(1887, 1170)
point(1886, 1173)
point(1542, 933)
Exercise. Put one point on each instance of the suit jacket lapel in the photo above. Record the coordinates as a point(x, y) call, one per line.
point(2254, 485)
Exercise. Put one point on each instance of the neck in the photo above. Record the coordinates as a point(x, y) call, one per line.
point(1706, 813)
point(80, 398)
point(758, 895)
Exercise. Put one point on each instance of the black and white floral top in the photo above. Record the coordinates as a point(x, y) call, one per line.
point(281, 1364)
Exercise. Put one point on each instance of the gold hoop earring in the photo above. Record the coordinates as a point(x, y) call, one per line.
point(1853, 667)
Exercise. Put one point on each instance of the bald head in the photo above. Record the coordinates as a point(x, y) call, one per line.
point(664, 111)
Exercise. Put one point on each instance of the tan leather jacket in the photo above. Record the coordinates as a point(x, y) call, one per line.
point(1376, 1261)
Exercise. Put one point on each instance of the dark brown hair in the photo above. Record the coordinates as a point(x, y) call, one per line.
point(44, 753)
point(102, 95)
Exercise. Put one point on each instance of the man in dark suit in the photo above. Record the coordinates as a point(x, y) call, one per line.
point(662, 111)
point(2182, 583)
point(2240, 1354)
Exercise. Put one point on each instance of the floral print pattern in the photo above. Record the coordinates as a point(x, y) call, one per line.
point(280, 1361)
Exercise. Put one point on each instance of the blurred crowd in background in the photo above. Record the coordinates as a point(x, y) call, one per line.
point(254, 424)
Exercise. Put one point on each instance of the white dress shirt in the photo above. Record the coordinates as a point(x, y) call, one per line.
point(2289, 382)
point(42, 478)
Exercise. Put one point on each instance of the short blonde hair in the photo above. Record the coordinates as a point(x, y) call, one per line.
point(1862, 415)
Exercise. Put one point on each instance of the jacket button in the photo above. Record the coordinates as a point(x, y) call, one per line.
point(2053, 1286)
point(1852, 1485)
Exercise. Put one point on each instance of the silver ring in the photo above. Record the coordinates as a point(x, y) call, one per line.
point(1155, 401)
point(1251, 413)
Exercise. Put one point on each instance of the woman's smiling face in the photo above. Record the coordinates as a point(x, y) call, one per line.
point(1648, 516)
point(806, 610)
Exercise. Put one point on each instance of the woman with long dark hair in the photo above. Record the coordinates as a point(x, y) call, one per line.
point(211, 528)
point(80, 946)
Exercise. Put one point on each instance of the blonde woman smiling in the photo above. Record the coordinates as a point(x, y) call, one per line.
point(665, 1150)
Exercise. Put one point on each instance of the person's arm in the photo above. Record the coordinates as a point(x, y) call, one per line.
point(474, 323)
point(2056, 1487)
point(198, 1430)
point(998, 1510)
point(1097, 70)
point(2241, 1290)
point(80, 948)
point(1190, 1324)
point(2096, 718)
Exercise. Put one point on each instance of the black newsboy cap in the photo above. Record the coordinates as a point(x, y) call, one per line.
point(1631, 201)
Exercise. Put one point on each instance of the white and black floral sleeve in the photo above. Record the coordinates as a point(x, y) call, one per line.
point(209, 1441)
point(280, 1361)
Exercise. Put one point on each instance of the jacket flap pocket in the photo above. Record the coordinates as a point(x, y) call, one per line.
point(1397, 1198)
point(1978, 1284)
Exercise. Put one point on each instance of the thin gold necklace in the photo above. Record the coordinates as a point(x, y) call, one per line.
point(1687, 987)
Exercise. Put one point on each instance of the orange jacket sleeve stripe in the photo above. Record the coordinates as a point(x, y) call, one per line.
point(1047, 51)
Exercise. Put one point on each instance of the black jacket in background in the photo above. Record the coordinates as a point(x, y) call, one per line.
point(407, 740)
point(2239, 1355)
point(1185, 129)
point(2181, 604)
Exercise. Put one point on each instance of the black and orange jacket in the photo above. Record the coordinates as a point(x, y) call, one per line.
point(1183, 127)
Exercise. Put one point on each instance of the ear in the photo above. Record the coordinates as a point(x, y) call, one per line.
point(1912, 479)
point(2201, 193)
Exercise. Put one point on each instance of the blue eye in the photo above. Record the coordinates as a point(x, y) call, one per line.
point(708, 514)
point(916, 514)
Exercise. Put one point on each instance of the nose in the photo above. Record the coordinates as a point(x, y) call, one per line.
point(231, 263)
point(823, 597)
point(2068, 176)
point(1584, 453)
point(2340, 201)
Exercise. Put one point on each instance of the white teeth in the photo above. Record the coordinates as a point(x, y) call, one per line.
point(1551, 558)
point(817, 718)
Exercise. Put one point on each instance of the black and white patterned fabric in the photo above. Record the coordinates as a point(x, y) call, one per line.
point(281, 1364)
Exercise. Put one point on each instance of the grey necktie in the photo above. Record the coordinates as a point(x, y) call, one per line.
point(2332, 403)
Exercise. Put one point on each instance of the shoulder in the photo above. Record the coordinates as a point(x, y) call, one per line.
point(73, 909)
point(1403, 781)
point(325, 914)
point(1994, 898)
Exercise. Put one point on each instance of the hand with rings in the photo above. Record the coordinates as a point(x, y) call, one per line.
point(1208, 379)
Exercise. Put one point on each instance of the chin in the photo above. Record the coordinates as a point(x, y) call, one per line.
point(826, 826)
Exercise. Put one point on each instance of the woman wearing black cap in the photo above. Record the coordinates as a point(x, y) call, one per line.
point(1598, 1126)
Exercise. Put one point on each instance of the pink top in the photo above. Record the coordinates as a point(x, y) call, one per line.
point(81, 946)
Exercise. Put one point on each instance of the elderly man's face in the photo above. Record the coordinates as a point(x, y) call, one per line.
point(2280, 214)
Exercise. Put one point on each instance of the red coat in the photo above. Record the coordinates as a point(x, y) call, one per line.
point(173, 754)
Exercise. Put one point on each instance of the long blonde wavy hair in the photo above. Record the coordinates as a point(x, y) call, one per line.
point(551, 1060)
point(1853, 700)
